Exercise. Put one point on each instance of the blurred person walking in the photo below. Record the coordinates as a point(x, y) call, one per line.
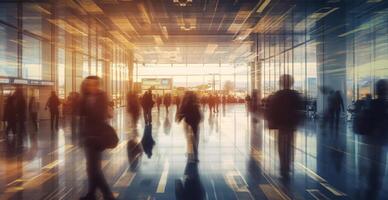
point(371, 122)
point(223, 101)
point(75, 110)
point(167, 102)
point(217, 102)
point(147, 103)
point(97, 135)
point(284, 114)
point(158, 102)
point(203, 102)
point(53, 104)
point(210, 101)
point(20, 105)
point(9, 116)
point(133, 108)
point(335, 107)
point(33, 108)
point(190, 112)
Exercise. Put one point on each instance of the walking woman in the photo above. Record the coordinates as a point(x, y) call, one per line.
point(95, 111)
point(191, 113)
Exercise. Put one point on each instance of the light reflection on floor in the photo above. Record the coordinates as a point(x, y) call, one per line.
point(239, 159)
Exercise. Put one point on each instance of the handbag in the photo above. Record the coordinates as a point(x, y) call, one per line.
point(102, 136)
point(109, 139)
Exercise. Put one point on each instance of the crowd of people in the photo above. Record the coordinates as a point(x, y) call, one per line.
point(284, 110)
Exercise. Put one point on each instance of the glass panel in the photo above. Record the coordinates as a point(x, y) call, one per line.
point(32, 58)
point(8, 13)
point(34, 19)
point(61, 73)
point(8, 52)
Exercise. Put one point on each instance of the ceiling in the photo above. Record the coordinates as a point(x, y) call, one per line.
point(199, 31)
point(177, 31)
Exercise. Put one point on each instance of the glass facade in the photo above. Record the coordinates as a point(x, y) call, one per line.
point(8, 51)
point(47, 41)
point(324, 45)
point(192, 75)
point(367, 41)
point(289, 51)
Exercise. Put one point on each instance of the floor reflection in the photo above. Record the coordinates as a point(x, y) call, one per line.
point(190, 186)
point(239, 159)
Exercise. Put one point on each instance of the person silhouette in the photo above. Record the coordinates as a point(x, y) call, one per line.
point(20, 105)
point(95, 112)
point(335, 107)
point(133, 108)
point(9, 116)
point(53, 104)
point(147, 104)
point(284, 114)
point(190, 111)
point(167, 102)
point(375, 135)
point(33, 108)
point(159, 101)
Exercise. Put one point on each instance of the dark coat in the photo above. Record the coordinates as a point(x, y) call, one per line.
point(97, 112)
point(9, 110)
point(284, 109)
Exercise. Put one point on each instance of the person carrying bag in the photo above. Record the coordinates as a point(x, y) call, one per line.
point(97, 135)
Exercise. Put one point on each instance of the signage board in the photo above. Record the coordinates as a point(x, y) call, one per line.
point(156, 83)
point(25, 82)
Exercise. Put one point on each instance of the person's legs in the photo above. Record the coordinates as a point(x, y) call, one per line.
point(73, 124)
point(34, 120)
point(91, 169)
point(8, 128)
point(150, 116)
point(52, 120)
point(56, 120)
point(195, 133)
point(285, 142)
point(96, 177)
point(337, 119)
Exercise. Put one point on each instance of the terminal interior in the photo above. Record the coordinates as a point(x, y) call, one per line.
point(234, 49)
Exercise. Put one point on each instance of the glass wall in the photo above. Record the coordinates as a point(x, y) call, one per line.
point(50, 41)
point(367, 43)
point(8, 51)
point(300, 62)
point(212, 76)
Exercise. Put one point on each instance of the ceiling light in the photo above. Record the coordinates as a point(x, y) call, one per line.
point(263, 5)
point(183, 3)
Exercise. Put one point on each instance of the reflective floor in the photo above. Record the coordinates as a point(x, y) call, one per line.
point(239, 159)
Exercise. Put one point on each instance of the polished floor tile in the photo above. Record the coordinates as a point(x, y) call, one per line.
point(239, 159)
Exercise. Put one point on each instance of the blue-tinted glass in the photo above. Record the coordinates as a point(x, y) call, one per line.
point(8, 51)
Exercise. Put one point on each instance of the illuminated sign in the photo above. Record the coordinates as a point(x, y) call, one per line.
point(20, 81)
point(156, 83)
point(4, 80)
point(25, 82)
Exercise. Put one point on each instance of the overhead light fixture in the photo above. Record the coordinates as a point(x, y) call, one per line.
point(263, 5)
point(183, 3)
